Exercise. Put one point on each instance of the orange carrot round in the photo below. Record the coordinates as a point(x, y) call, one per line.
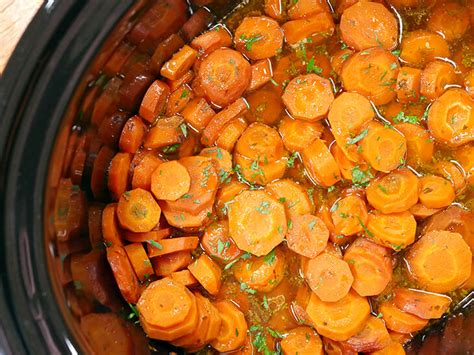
point(233, 328)
point(138, 211)
point(265, 106)
point(394, 230)
point(436, 76)
point(373, 337)
point(170, 181)
point(292, 195)
point(349, 215)
point(298, 134)
point(208, 273)
point(400, 321)
point(420, 145)
point(420, 47)
point(450, 19)
point(217, 243)
point(124, 274)
point(308, 235)
point(320, 163)
point(302, 340)
point(408, 84)
point(422, 304)
point(436, 192)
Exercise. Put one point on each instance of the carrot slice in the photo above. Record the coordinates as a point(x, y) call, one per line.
point(349, 215)
point(302, 340)
point(261, 173)
point(394, 348)
point(262, 273)
point(224, 75)
point(436, 192)
point(274, 9)
point(328, 276)
point(226, 194)
point(257, 222)
point(172, 245)
point(94, 224)
point(451, 118)
point(178, 100)
point(422, 304)
point(320, 163)
point(265, 106)
point(258, 37)
point(369, 24)
point(372, 73)
point(449, 19)
point(399, 321)
point(154, 101)
point(139, 260)
point(143, 167)
point(214, 319)
point(292, 195)
point(110, 227)
point(374, 336)
point(165, 50)
point(138, 211)
point(338, 320)
point(316, 28)
point(231, 133)
point(180, 63)
point(435, 78)
point(132, 135)
point(308, 97)
point(261, 74)
point(155, 235)
point(168, 310)
point(184, 79)
point(306, 8)
point(421, 211)
point(117, 181)
point(208, 273)
point(170, 181)
point(181, 219)
point(198, 113)
point(211, 40)
point(222, 160)
point(395, 230)
point(124, 275)
point(425, 268)
point(395, 192)
point(420, 145)
point(217, 243)
point(100, 169)
point(165, 132)
point(371, 266)
point(420, 47)
point(408, 84)
point(233, 328)
point(167, 264)
point(298, 134)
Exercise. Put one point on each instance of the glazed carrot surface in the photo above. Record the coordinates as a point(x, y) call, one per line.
point(296, 177)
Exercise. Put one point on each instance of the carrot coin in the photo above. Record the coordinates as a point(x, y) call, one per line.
point(436, 192)
point(374, 336)
point(349, 215)
point(170, 181)
point(320, 163)
point(292, 195)
point(450, 19)
point(422, 304)
point(138, 211)
point(395, 230)
point(298, 134)
point(420, 47)
point(302, 340)
point(400, 321)
point(208, 273)
point(233, 328)
point(217, 243)
point(308, 235)
point(436, 76)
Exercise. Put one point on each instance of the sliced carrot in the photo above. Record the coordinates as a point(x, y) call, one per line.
point(332, 347)
point(224, 75)
point(339, 320)
point(262, 173)
point(274, 9)
point(172, 245)
point(227, 192)
point(208, 273)
point(217, 243)
point(143, 167)
point(170, 181)
point(292, 195)
point(118, 180)
point(420, 47)
point(399, 321)
point(214, 319)
point(346, 166)
point(132, 135)
point(302, 340)
point(138, 211)
point(233, 328)
point(464, 156)
point(420, 145)
point(211, 40)
point(139, 260)
point(100, 169)
point(317, 28)
point(450, 118)
point(258, 37)
point(425, 268)
point(265, 106)
point(349, 215)
point(220, 120)
point(178, 100)
point(198, 113)
point(124, 275)
point(436, 192)
point(165, 50)
point(262, 274)
point(421, 211)
point(154, 101)
point(261, 74)
point(436, 76)
point(394, 348)
point(165, 132)
point(328, 276)
point(371, 265)
point(222, 160)
point(155, 235)
point(395, 230)
point(110, 227)
point(191, 145)
point(94, 224)
point(298, 134)
point(306, 8)
point(320, 163)
point(197, 23)
point(167, 264)
point(168, 310)
point(308, 97)
point(185, 220)
point(373, 337)
point(184, 79)
point(257, 222)
point(372, 73)
point(339, 58)
point(449, 19)
point(408, 84)
point(349, 115)
point(180, 63)
point(231, 133)
point(395, 192)
point(369, 24)
point(422, 304)
point(106, 104)
point(452, 172)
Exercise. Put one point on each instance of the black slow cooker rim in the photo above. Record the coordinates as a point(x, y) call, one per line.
point(35, 90)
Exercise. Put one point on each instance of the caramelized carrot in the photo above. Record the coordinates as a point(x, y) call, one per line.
point(408, 84)
point(94, 224)
point(233, 328)
point(449, 19)
point(211, 40)
point(231, 133)
point(178, 100)
point(395, 192)
point(221, 158)
point(110, 228)
point(155, 235)
point(217, 243)
point(308, 97)
point(292, 195)
point(169, 263)
point(165, 133)
point(100, 169)
point(123, 273)
point(421, 211)
point(265, 106)
point(422, 304)
point(154, 101)
point(395, 230)
point(143, 170)
point(349, 215)
point(118, 180)
point(371, 266)
point(261, 74)
point(198, 113)
point(258, 37)
point(394, 348)
point(320, 163)
point(224, 75)
point(306, 8)
point(302, 340)
point(172, 245)
point(374, 336)
point(180, 63)
point(369, 24)
point(399, 321)
point(106, 104)
point(436, 192)
point(181, 219)
point(139, 260)
point(338, 320)
point(170, 181)
point(165, 50)
point(328, 276)
point(207, 272)
point(132, 135)
point(420, 47)
point(197, 23)
point(257, 222)
point(425, 268)
point(138, 211)
point(420, 145)
point(436, 76)
point(317, 28)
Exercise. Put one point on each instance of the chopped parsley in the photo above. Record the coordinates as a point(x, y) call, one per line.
point(171, 148)
point(155, 244)
point(249, 41)
point(311, 68)
point(358, 138)
point(270, 257)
